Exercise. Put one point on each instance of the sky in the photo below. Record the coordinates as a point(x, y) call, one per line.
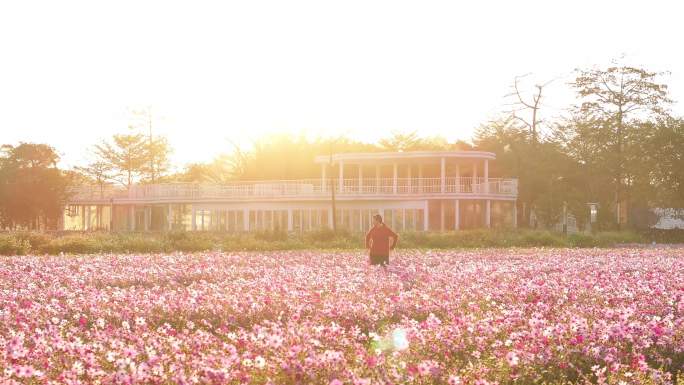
point(233, 71)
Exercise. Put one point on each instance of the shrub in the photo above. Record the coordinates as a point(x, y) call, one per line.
point(74, 244)
point(83, 243)
point(612, 238)
point(542, 238)
point(664, 236)
point(582, 240)
point(36, 240)
point(12, 245)
point(270, 236)
point(141, 243)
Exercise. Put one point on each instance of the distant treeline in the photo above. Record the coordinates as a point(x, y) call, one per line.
point(618, 146)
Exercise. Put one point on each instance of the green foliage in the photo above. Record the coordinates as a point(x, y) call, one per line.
point(664, 236)
point(12, 245)
point(84, 243)
point(75, 244)
point(606, 239)
point(36, 240)
point(130, 158)
point(32, 189)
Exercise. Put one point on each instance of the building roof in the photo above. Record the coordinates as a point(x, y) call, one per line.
point(408, 155)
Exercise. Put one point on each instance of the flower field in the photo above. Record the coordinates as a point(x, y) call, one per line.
point(481, 317)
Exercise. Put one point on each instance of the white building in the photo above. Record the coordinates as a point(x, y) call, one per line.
point(414, 191)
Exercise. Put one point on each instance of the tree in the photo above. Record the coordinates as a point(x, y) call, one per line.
point(126, 155)
point(157, 164)
point(98, 172)
point(533, 104)
point(287, 156)
point(33, 190)
point(547, 177)
point(412, 142)
point(401, 142)
point(218, 171)
point(157, 147)
point(663, 151)
point(614, 98)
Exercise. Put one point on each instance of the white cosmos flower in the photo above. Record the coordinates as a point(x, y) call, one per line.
point(259, 362)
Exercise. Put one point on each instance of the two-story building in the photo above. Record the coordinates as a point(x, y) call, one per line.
point(414, 191)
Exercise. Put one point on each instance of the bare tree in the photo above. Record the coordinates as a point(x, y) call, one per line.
point(532, 104)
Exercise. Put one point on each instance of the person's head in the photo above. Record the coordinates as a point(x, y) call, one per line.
point(377, 219)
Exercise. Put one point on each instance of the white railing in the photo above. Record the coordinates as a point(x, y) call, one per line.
point(301, 188)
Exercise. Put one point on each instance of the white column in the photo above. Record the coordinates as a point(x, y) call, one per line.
point(360, 178)
point(324, 183)
point(442, 175)
point(341, 176)
point(486, 175)
point(515, 214)
point(488, 211)
point(458, 178)
point(425, 216)
point(474, 176)
point(441, 215)
point(410, 181)
point(420, 178)
point(245, 219)
point(457, 215)
point(394, 178)
point(194, 218)
point(131, 217)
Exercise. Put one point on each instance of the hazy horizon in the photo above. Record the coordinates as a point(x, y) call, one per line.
point(213, 71)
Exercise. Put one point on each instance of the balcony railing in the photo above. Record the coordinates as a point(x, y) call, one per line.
point(301, 188)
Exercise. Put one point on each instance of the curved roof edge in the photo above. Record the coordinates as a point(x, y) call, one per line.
point(369, 156)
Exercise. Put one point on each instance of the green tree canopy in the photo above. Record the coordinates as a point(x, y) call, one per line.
point(33, 190)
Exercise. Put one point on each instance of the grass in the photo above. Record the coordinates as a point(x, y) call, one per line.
point(21, 243)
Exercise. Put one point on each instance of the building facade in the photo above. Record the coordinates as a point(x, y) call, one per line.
point(414, 191)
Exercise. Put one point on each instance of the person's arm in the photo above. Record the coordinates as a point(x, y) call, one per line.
point(395, 239)
point(368, 238)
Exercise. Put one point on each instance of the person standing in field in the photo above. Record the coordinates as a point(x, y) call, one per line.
point(378, 242)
